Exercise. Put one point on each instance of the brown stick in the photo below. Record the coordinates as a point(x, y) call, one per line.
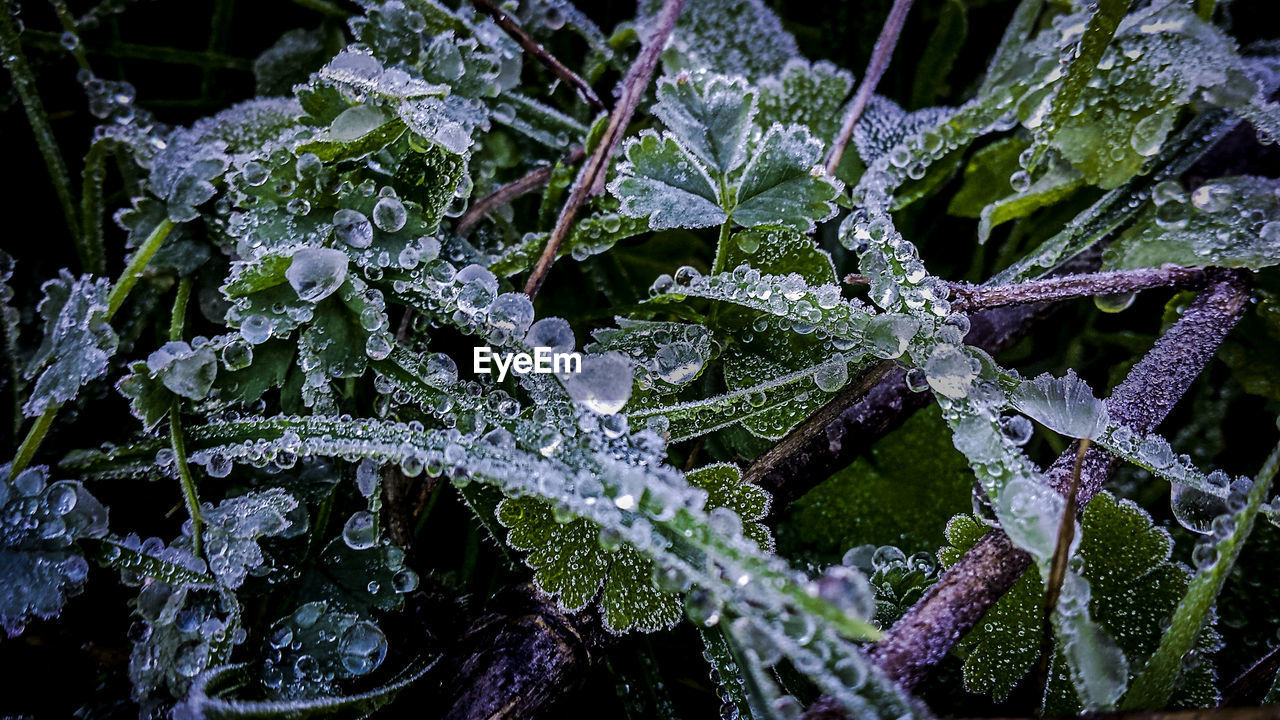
point(540, 53)
point(590, 180)
point(880, 55)
point(512, 190)
point(967, 297)
point(972, 586)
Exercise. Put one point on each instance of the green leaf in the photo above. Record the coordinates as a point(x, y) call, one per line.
point(149, 400)
point(1156, 681)
point(206, 699)
point(78, 341)
point(1228, 222)
point(940, 53)
point(1134, 583)
point(334, 144)
point(804, 93)
point(710, 116)
point(662, 181)
point(902, 493)
point(570, 561)
point(726, 36)
point(170, 565)
point(783, 183)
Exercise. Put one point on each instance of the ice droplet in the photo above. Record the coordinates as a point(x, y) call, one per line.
point(604, 384)
point(315, 273)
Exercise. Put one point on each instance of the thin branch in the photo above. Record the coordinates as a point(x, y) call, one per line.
point(590, 180)
point(1254, 683)
point(1058, 568)
point(512, 190)
point(540, 53)
point(928, 631)
point(967, 297)
point(880, 55)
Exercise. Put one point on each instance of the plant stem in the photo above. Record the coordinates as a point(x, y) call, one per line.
point(1020, 27)
point(35, 436)
point(880, 56)
point(590, 180)
point(24, 83)
point(1204, 9)
point(180, 300)
point(137, 263)
point(540, 53)
point(512, 190)
point(176, 322)
point(968, 297)
point(189, 495)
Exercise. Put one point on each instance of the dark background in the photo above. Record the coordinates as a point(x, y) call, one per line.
point(82, 658)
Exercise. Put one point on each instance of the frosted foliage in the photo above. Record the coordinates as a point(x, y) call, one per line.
point(181, 631)
point(728, 36)
point(233, 528)
point(1065, 405)
point(193, 158)
point(686, 177)
point(40, 522)
point(667, 354)
point(660, 180)
point(885, 124)
point(810, 94)
point(77, 341)
point(712, 116)
point(784, 183)
point(604, 385)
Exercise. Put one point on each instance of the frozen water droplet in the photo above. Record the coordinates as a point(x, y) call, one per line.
point(360, 532)
point(353, 228)
point(604, 384)
point(511, 313)
point(389, 214)
point(362, 648)
point(315, 273)
point(1114, 302)
point(1195, 509)
point(237, 355)
point(553, 333)
point(832, 376)
point(950, 371)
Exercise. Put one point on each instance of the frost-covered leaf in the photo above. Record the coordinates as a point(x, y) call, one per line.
point(139, 560)
point(311, 650)
point(727, 36)
point(784, 184)
point(1134, 586)
point(1228, 222)
point(575, 560)
point(78, 341)
point(1161, 57)
point(804, 93)
point(233, 528)
point(710, 116)
point(885, 124)
point(662, 181)
point(40, 524)
point(182, 630)
point(1065, 405)
point(668, 355)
